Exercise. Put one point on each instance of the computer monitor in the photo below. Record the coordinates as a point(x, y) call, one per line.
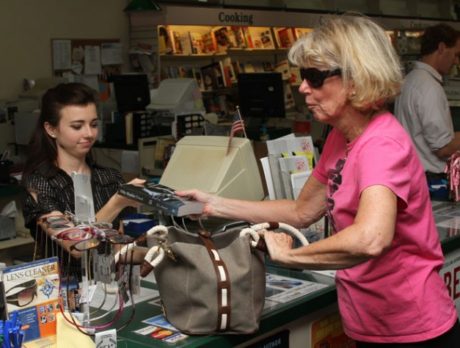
point(202, 162)
point(24, 126)
point(455, 114)
point(132, 92)
point(178, 95)
point(261, 95)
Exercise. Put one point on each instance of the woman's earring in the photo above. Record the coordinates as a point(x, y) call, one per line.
point(53, 135)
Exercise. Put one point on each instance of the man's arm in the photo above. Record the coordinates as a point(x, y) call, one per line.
point(447, 150)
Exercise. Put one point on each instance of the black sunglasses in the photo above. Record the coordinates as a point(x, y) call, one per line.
point(316, 77)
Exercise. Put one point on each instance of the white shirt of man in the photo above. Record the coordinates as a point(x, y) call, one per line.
point(423, 110)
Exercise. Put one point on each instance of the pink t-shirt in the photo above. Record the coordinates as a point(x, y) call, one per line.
point(398, 296)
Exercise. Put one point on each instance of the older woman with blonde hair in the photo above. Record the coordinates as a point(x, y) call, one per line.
point(371, 185)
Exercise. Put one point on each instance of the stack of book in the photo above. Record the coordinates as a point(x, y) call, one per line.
point(288, 165)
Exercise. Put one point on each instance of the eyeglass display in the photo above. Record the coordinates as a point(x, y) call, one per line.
point(95, 244)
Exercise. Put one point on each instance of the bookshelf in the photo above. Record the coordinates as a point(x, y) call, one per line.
point(184, 51)
point(215, 54)
point(274, 32)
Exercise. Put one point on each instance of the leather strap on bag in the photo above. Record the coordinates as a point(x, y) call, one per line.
point(223, 283)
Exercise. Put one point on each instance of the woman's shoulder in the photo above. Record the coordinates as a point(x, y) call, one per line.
point(386, 130)
point(42, 173)
point(44, 181)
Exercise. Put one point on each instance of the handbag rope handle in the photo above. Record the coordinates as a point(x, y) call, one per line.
point(257, 242)
point(159, 231)
point(154, 256)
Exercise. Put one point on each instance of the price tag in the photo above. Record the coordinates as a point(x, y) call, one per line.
point(106, 339)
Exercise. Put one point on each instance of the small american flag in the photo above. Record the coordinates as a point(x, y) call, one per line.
point(237, 126)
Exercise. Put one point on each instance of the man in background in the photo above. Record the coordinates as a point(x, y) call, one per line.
point(422, 107)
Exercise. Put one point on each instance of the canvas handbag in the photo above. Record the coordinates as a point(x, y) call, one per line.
point(212, 283)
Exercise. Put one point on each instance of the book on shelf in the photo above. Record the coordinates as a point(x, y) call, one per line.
point(237, 68)
point(289, 73)
point(283, 68)
point(164, 40)
point(196, 41)
point(288, 96)
point(252, 67)
point(198, 77)
point(285, 37)
point(186, 43)
point(162, 199)
point(176, 41)
point(238, 34)
point(261, 37)
point(209, 43)
point(267, 39)
point(224, 38)
point(299, 32)
point(171, 71)
point(32, 289)
point(212, 76)
point(247, 37)
point(228, 72)
point(186, 71)
point(295, 78)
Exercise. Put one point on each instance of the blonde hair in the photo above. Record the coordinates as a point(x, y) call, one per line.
point(362, 50)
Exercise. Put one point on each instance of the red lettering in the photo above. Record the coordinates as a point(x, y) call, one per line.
point(455, 288)
point(448, 281)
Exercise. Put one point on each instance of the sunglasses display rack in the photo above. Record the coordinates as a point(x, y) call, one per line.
point(86, 261)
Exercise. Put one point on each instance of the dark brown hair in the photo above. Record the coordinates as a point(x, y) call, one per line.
point(42, 148)
point(436, 34)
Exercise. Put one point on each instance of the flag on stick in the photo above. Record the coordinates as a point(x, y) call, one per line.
point(237, 126)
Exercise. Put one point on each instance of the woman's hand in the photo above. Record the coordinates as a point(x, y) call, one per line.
point(123, 202)
point(137, 182)
point(210, 201)
point(278, 245)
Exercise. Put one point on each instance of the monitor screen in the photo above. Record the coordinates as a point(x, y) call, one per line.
point(455, 113)
point(24, 126)
point(261, 95)
point(132, 92)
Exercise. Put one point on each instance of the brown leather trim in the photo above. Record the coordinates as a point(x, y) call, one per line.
point(273, 225)
point(221, 285)
point(146, 268)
